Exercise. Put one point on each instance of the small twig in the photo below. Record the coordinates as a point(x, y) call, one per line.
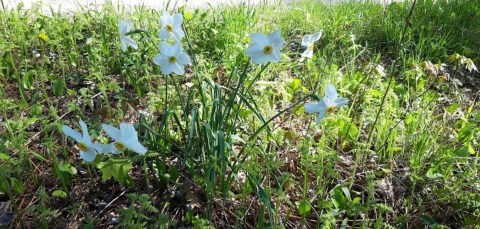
point(111, 202)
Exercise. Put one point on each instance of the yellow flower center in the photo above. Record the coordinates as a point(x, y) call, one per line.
point(268, 49)
point(82, 147)
point(172, 59)
point(310, 47)
point(169, 27)
point(330, 109)
point(120, 146)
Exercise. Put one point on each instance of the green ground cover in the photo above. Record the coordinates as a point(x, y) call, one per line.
point(229, 142)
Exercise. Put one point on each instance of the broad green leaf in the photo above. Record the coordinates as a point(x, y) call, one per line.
point(58, 87)
point(65, 167)
point(427, 220)
point(4, 157)
point(39, 156)
point(303, 208)
point(294, 84)
point(59, 193)
point(338, 199)
point(173, 172)
point(116, 169)
point(27, 81)
point(17, 185)
point(453, 107)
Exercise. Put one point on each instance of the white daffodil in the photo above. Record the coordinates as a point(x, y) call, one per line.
point(308, 41)
point(265, 48)
point(171, 59)
point(125, 137)
point(125, 26)
point(171, 27)
point(88, 150)
point(327, 104)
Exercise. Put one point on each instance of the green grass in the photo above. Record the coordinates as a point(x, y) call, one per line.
point(229, 142)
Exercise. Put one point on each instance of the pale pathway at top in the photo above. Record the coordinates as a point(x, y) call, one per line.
point(72, 5)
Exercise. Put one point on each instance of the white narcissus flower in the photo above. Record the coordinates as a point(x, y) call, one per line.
point(171, 59)
point(125, 137)
point(265, 48)
point(171, 27)
point(125, 26)
point(308, 41)
point(327, 104)
point(88, 150)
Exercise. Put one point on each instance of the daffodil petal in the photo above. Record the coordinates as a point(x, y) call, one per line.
point(158, 59)
point(166, 67)
point(340, 102)
point(260, 58)
point(307, 54)
point(276, 39)
point(177, 20)
point(276, 56)
point(72, 133)
point(89, 155)
point(178, 34)
point(313, 107)
point(113, 132)
point(317, 36)
point(166, 49)
point(127, 132)
point(128, 25)
point(85, 135)
point(320, 116)
point(306, 40)
point(122, 28)
point(163, 34)
point(86, 138)
point(255, 51)
point(94, 146)
point(165, 19)
point(327, 102)
point(183, 59)
point(123, 45)
point(331, 92)
point(258, 38)
point(178, 69)
point(105, 148)
point(136, 147)
point(177, 48)
point(130, 42)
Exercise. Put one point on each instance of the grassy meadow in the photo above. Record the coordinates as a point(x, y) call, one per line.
point(229, 142)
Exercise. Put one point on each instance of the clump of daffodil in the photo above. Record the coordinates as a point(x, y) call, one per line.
point(171, 59)
point(125, 138)
point(308, 42)
point(327, 104)
point(124, 27)
point(265, 48)
point(88, 150)
point(171, 27)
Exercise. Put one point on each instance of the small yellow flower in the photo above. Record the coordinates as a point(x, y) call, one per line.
point(188, 15)
point(44, 37)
